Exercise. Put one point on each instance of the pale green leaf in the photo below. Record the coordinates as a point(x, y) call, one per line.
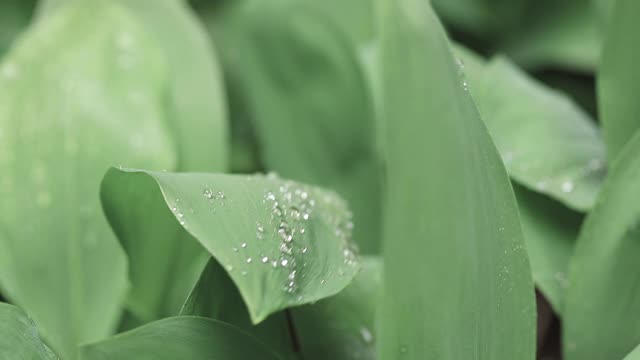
point(81, 91)
point(601, 307)
point(183, 337)
point(19, 338)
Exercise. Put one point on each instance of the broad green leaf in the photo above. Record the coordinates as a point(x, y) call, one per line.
point(634, 355)
point(14, 18)
point(342, 327)
point(547, 143)
point(81, 91)
point(457, 283)
point(282, 243)
point(19, 338)
point(197, 107)
point(183, 337)
point(618, 77)
point(562, 34)
point(484, 18)
point(601, 307)
point(215, 296)
point(550, 231)
point(297, 73)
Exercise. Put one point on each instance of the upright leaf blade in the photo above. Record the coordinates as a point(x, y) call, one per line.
point(283, 243)
point(83, 90)
point(456, 275)
point(600, 308)
point(619, 77)
point(181, 337)
point(19, 338)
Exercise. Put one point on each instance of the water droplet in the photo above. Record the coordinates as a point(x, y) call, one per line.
point(274, 264)
point(304, 250)
point(305, 216)
point(249, 260)
point(235, 249)
point(244, 273)
point(567, 186)
point(208, 194)
point(265, 259)
point(243, 245)
point(322, 282)
point(284, 262)
point(10, 71)
point(366, 335)
point(294, 212)
point(269, 196)
point(302, 231)
point(229, 268)
point(292, 275)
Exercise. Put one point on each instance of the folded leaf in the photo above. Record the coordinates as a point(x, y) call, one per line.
point(457, 283)
point(618, 77)
point(83, 90)
point(282, 243)
point(181, 337)
point(342, 327)
point(19, 338)
point(601, 307)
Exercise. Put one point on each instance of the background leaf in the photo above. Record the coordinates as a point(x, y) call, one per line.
point(457, 283)
point(14, 18)
point(283, 243)
point(215, 296)
point(81, 91)
point(618, 78)
point(550, 231)
point(342, 327)
point(180, 338)
point(19, 338)
point(547, 143)
point(294, 72)
point(603, 278)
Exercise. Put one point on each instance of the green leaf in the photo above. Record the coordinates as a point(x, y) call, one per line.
point(342, 327)
point(603, 279)
point(484, 18)
point(562, 34)
point(14, 18)
point(215, 296)
point(297, 72)
point(180, 338)
point(550, 231)
point(457, 283)
point(547, 143)
point(618, 77)
point(634, 355)
point(19, 338)
point(197, 110)
point(277, 239)
point(82, 90)
point(197, 101)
